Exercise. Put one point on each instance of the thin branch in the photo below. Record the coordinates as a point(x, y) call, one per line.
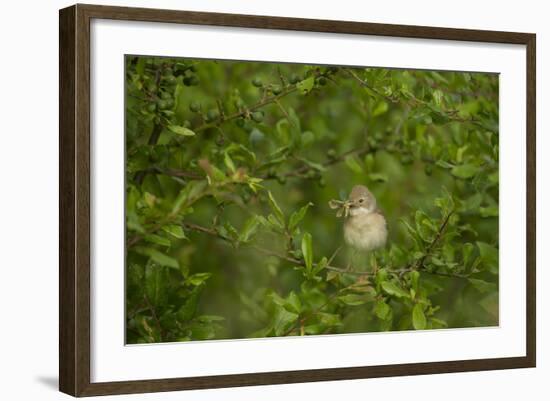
point(246, 111)
point(450, 114)
point(434, 242)
point(155, 134)
point(155, 317)
point(157, 129)
point(279, 104)
point(269, 252)
point(334, 254)
point(266, 251)
point(366, 85)
point(281, 77)
point(450, 275)
point(176, 173)
point(418, 266)
point(299, 172)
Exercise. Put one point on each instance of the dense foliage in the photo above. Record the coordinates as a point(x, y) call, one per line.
point(230, 168)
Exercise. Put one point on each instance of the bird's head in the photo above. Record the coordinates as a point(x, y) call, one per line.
point(361, 201)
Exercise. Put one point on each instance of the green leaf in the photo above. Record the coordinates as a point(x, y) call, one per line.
point(415, 276)
point(277, 298)
point(249, 228)
point(489, 256)
point(228, 231)
point(465, 171)
point(380, 277)
point(472, 203)
point(314, 329)
point(369, 161)
point(175, 231)
point(331, 275)
point(424, 226)
point(274, 223)
point(489, 211)
point(330, 319)
point(307, 138)
point(254, 183)
point(293, 302)
point(392, 289)
point(306, 85)
point(210, 318)
point(149, 199)
point(298, 216)
point(353, 163)
point(140, 65)
point(155, 284)
point(157, 239)
point(411, 231)
point(380, 109)
point(307, 251)
point(382, 310)
point(444, 164)
point(323, 263)
point(482, 286)
point(198, 278)
point(283, 319)
point(437, 96)
point(418, 317)
point(214, 174)
point(241, 152)
point(284, 135)
point(229, 162)
point(439, 117)
point(467, 252)
point(276, 209)
point(354, 299)
point(178, 129)
point(192, 191)
point(378, 177)
point(295, 125)
point(438, 323)
point(189, 308)
point(460, 153)
point(201, 331)
point(312, 164)
point(157, 256)
point(439, 77)
point(445, 203)
point(493, 177)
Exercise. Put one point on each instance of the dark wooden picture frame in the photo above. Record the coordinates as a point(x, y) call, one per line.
point(74, 204)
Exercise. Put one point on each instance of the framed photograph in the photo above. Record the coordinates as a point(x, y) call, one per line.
point(250, 200)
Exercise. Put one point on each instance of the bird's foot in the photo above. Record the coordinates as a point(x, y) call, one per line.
point(374, 264)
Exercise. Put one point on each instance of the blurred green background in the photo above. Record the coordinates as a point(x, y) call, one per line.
point(222, 158)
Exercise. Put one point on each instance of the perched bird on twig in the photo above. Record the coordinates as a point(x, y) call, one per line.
point(365, 226)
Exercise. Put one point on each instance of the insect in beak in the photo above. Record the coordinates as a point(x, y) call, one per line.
point(342, 206)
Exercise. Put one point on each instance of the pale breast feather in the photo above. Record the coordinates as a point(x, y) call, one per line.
point(366, 232)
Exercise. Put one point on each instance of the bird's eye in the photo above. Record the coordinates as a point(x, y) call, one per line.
point(361, 200)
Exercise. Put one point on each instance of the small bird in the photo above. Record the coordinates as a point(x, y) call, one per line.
point(365, 227)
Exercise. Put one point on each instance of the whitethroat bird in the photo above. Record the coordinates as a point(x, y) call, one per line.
point(365, 226)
